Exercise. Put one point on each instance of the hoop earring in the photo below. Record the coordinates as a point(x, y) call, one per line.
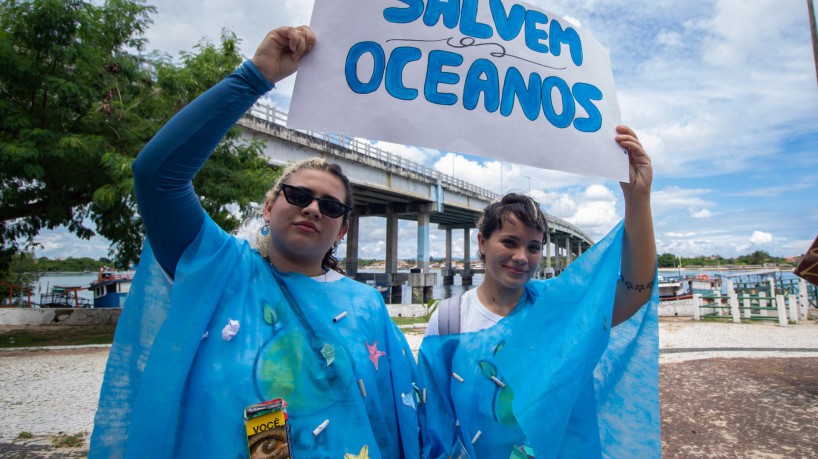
point(265, 230)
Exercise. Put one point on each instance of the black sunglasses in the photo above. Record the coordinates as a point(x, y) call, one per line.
point(300, 197)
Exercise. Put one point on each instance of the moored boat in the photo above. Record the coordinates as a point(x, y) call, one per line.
point(63, 297)
point(673, 289)
point(676, 293)
point(110, 289)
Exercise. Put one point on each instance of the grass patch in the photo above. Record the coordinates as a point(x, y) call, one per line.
point(24, 435)
point(56, 335)
point(431, 307)
point(69, 441)
point(409, 320)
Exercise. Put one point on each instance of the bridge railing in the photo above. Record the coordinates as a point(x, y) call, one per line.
point(268, 113)
point(556, 222)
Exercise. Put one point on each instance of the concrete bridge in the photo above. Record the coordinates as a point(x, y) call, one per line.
point(387, 185)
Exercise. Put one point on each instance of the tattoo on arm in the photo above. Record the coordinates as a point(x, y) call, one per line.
point(638, 287)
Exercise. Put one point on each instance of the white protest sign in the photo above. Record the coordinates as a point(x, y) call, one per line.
point(492, 78)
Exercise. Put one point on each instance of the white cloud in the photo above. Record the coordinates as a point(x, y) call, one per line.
point(595, 217)
point(485, 174)
point(176, 28)
point(798, 247)
point(692, 247)
point(60, 243)
point(761, 238)
point(599, 193)
point(701, 213)
point(592, 209)
point(680, 235)
point(675, 198)
point(669, 38)
point(740, 30)
point(416, 154)
point(770, 191)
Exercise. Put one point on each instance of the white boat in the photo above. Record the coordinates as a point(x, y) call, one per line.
point(676, 293)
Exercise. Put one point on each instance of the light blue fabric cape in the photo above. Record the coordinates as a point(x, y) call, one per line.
point(174, 387)
point(567, 386)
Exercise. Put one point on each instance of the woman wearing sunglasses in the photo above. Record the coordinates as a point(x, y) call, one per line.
point(213, 327)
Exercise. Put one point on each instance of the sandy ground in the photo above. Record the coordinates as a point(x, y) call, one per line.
point(44, 392)
point(740, 408)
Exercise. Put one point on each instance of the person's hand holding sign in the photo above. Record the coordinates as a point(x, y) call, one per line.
point(278, 55)
point(641, 171)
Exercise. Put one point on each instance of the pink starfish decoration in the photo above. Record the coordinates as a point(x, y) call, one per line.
point(374, 353)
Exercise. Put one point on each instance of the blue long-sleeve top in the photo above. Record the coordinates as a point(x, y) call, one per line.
point(164, 170)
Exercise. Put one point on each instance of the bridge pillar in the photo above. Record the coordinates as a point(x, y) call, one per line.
point(447, 272)
point(423, 241)
point(391, 264)
point(467, 275)
point(351, 261)
point(568, 251)
point(422, 282)
point(557, 260)
point(422, 285)
point(549, 271)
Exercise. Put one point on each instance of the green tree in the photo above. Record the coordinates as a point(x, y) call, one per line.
point(22, 275)
point(668, 260)
point(79, 98)
point(758, 257)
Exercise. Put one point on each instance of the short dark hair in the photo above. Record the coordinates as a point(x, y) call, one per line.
point(521, 206)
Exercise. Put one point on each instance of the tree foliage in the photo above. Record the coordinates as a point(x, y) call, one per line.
point(79, 98)
point(667, 260)
point(756, 258)
point(23, 274)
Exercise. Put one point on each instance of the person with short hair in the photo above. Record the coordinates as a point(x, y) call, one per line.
point(519, 367)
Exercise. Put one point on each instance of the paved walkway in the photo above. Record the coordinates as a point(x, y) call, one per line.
point(45, 392)
point(727, 390)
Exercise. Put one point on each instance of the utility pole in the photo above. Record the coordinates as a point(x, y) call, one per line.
point(814, 32)
point(501, 178)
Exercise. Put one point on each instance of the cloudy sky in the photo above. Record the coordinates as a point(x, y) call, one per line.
point(723, 95)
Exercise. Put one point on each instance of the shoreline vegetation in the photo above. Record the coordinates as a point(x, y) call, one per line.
point(786, 268)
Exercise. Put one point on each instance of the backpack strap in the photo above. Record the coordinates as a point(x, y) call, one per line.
point(448, 315)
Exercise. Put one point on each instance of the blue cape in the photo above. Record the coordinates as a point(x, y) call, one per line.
point(551, 379)
point(175, 387)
